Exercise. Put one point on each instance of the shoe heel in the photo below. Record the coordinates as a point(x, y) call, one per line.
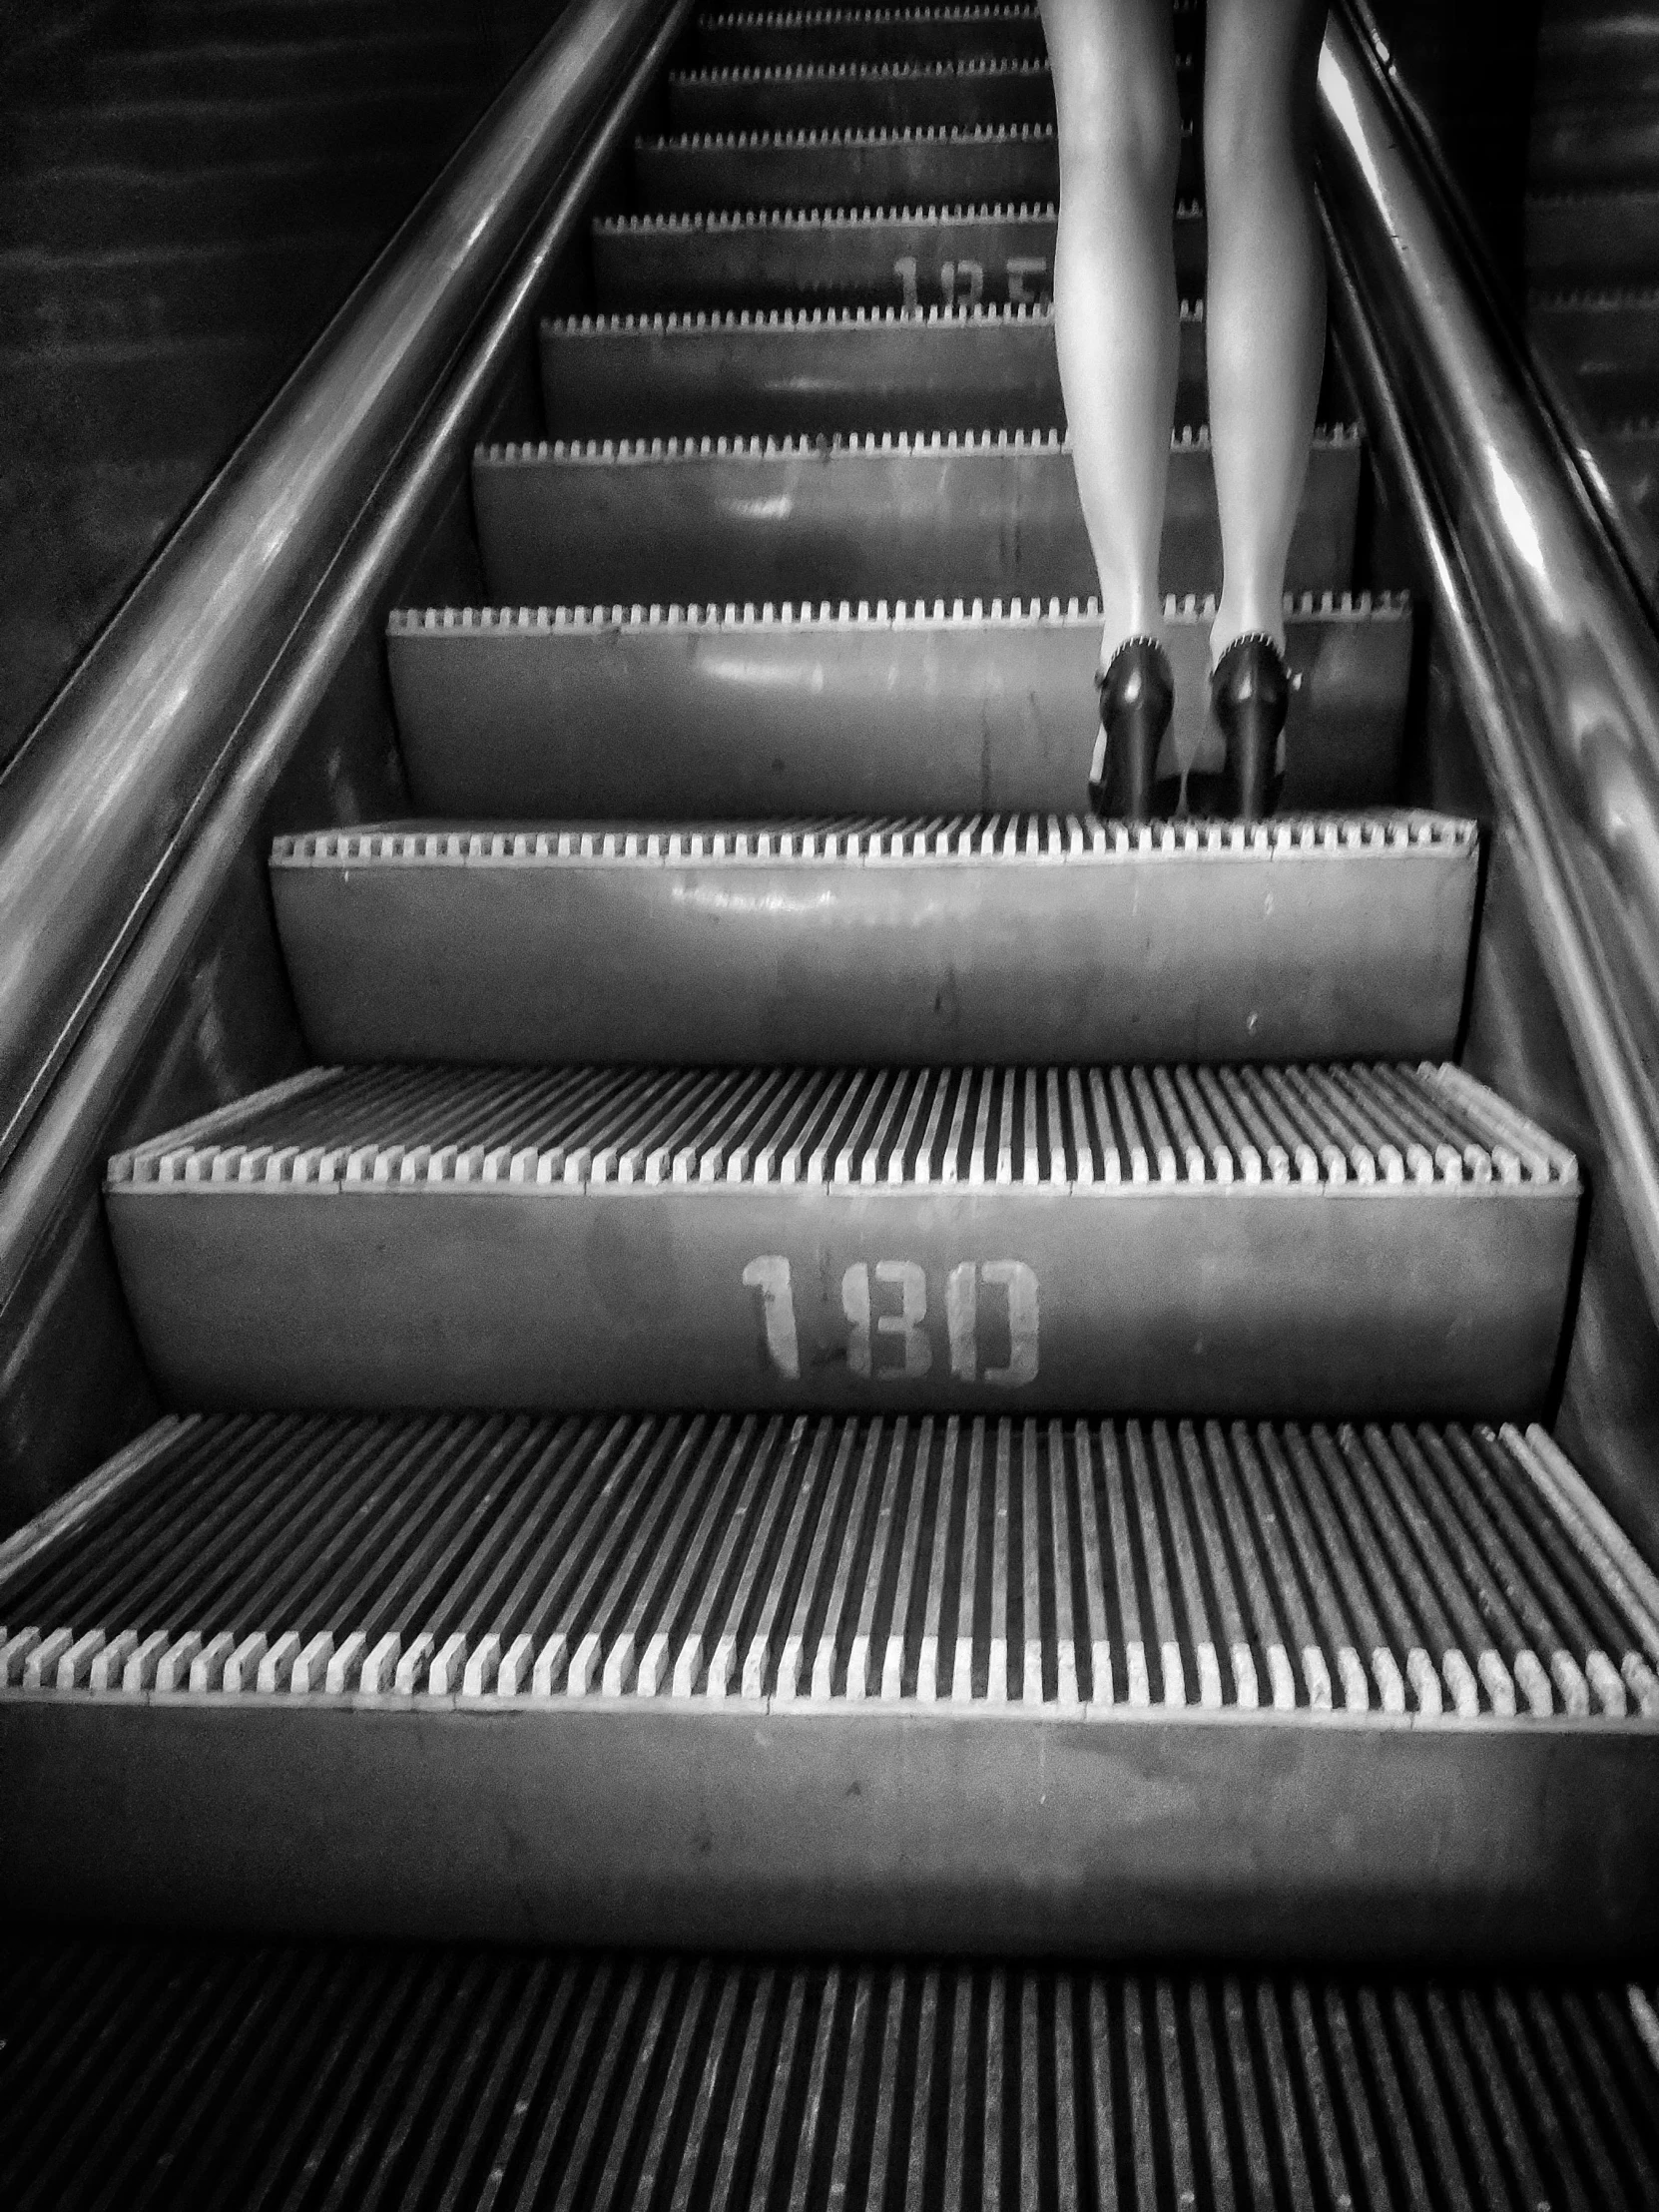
point(1250, 695)
point(1137, 698)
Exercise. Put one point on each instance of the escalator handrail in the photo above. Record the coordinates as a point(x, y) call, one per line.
point(1559, 660)
point(102, 801)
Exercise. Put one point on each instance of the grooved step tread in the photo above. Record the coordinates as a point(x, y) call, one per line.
point(900, 256)
point(828, 371)
point(1442, 1572)
point(893, 941)
point(860, 96)
point(1298, 1241)
point(792, 518)
point(894, 707)
point(841, 2082)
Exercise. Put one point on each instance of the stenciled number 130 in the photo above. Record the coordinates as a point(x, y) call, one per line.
point(991, 1320)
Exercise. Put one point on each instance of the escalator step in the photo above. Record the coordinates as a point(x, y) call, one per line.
point(1313, 1241)
point(818, 370)
point(900, 941)
point(1002, 163)
point(752, 39)
point(854, 96)
point(868, 257)
point(989, 514)
point(1580, 240)
point(1438, 1571)
point(651, 2081)
point(899, 708)
point(1600, 143)
point(912, 1684)
point(1629, 457)
point(1608, 343)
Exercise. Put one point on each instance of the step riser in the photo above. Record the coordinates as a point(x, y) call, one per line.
point(993, 523)
point(929, 258)
point(1609, 348)
point(882, 962)
point(1594, 239)
point(1591, 147)
point(743, 1831)
point(890, 37)
point(680, 177)
point(1383, 1303)
point(803, 379)
point(840, 717)
point(807, 101)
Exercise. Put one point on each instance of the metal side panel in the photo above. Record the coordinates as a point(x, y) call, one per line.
point(877, 257)
point(995, 162)
point(825, 371)
point(794, 519)
point(1580, 238)
point(574, 714)
point(299, 2076)
point(902, 942)
point(858, 96)
point(757, 39)
point(1305, 1243)
point(735, 1826)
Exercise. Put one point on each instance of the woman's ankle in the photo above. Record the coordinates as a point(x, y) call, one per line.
point(1248, 622)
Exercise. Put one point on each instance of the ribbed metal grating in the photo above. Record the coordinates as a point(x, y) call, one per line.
point(287, 2079)
point(999, 838)
point(1046, 1127)
point(1070, 1565)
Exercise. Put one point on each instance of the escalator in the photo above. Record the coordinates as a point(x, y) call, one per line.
point(985, 1444)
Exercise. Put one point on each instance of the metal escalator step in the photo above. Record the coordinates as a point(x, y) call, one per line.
point(1599, 143)
point(890, 942)
point(1578, 241)
point(294, 2077)
point(868, 257)
point(1310, 1241)
point(856, 96)
point(862, 516)
point(993, 163)
point(896, 709)
point(1582, 53)
point(772, 39)
point(1607, 342)
point(786, 1682)
point(823, 370)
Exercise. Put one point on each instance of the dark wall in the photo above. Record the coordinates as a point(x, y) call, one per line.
point(187, 189)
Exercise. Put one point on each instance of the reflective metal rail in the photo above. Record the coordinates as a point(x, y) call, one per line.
point(234, 632)
point(1553, 653)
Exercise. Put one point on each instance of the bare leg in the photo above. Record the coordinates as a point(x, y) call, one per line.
point(1265, 298)
point(1116, 316)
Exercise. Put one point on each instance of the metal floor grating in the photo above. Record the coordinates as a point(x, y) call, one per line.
point(1431, 1126)
point(293, 2078)
point(1430, 1570)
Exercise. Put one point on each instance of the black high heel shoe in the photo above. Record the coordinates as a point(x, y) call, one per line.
point(1137, 698)
point(1250, 696)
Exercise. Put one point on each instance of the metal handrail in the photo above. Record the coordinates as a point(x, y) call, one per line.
point(99, 805)
point(1553, 649)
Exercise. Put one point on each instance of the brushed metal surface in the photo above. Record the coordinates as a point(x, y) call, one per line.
point(1556, 656)
point(921, 167)
point(860, 96)
point(1258, 1836)
point(797, 373)
point(1305, 1243)
point(868, 257)
point(743, 38)
point(894, 942)
point(872, 516)
point(915, 710)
